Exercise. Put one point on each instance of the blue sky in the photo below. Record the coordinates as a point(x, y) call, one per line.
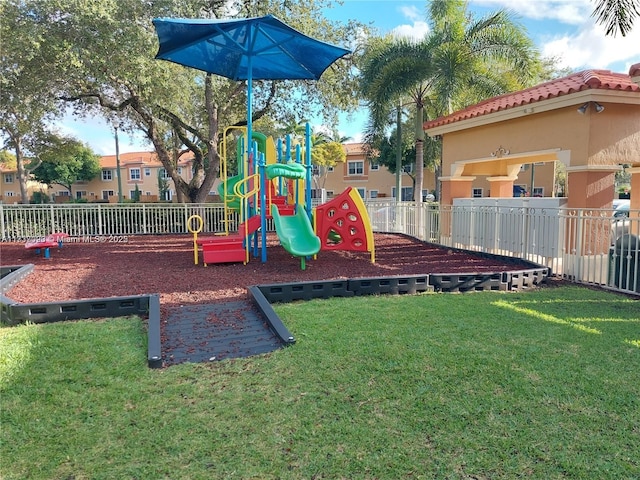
point(560, 28)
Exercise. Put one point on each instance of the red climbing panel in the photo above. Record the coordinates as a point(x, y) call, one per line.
point(341, 226)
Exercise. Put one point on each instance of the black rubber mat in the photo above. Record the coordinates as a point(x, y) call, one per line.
point(211, 332)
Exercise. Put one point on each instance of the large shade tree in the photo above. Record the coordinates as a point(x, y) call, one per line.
point(108, 50)
point(30, 71)
point(462, 60)
point(66, 161)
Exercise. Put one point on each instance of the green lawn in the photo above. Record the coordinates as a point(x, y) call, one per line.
point(543, 384)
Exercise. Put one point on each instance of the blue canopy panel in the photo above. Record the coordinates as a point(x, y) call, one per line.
point(270, 48)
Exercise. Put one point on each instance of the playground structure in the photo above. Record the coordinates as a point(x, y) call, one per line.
point(274, 184)
point(45, 243)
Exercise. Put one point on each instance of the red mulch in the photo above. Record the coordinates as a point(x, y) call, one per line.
point(165, 265)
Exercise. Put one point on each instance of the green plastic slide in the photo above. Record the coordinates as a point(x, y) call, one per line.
point(296, 233)
point(226, 191)
point(286, 170)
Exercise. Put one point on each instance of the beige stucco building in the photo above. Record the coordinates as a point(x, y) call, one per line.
point(10, 186)
point(137, 169)
point(589, 121)
point(371, 180)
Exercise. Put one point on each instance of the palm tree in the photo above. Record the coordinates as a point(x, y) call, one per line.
point(474, 59)
point(462, 61)
point(391, 76)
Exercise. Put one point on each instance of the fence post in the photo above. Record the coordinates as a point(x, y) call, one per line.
point(526, 239)
point(577, 253)
point(2, 230)
point(100, 219)
point(144, 218)
point(52, 221)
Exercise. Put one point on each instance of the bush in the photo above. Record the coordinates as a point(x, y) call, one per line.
point(40, 197)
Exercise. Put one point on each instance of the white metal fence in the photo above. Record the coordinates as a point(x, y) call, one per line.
point(584, 246)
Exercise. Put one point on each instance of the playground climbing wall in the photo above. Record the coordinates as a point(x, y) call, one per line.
point(343, 224)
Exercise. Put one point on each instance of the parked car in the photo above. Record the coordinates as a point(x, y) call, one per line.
point(618, 202)
point(622, 210)
point(621, 222)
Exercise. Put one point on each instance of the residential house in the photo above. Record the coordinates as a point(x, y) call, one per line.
point(140, 174)
point(10, 186)
point(370, 179)
point(142, 169)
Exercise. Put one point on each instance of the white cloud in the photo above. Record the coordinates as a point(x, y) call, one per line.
point(572, 12)
point(417, 30)
point(411, 12)
point(589, 47)
point(572, 34)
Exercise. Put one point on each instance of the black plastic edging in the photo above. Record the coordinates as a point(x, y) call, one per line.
point(410, 285)
point(289, 292)
point(12, 274)
point(78, 309)
point(468, 282)
point(154, 342)
point(271, 317)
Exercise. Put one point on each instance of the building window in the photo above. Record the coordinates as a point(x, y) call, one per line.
point(538, 191)
point(477, 193)
point(330, 169)
point(373, 193)
point(408, 168)
point(107, 175)
point(135, 195)
point(147, 172)
point(375, 167)
point(362, 192)
point(81, 194)
point(8, 178)
point(315, 170)
point(164, 175)
point(8, 194)
point(134, 174)
point(64, 193)
point(166, 196)
point(107, 193)
point(330, 194)
point(179, 170)
point(356, 168)
point(406, 194)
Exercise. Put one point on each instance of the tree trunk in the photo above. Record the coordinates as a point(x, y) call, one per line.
point(417, 191)
point(22, 173)
point(214, 158)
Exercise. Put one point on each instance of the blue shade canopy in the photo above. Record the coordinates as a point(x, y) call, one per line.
point(261, 48)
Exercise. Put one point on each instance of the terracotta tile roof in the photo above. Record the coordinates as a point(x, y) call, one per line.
point(576, 82)
point(354, 148)
point(143, 159)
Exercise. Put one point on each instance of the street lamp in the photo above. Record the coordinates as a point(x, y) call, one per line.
point(115, 129)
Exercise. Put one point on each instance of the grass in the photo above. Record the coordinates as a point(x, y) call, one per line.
point(543, 384)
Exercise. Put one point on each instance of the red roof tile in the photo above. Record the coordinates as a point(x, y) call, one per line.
point(145, 159)
point(353, 148)
point(576, 82)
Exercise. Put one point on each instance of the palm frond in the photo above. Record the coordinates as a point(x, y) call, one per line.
point(617, 15)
